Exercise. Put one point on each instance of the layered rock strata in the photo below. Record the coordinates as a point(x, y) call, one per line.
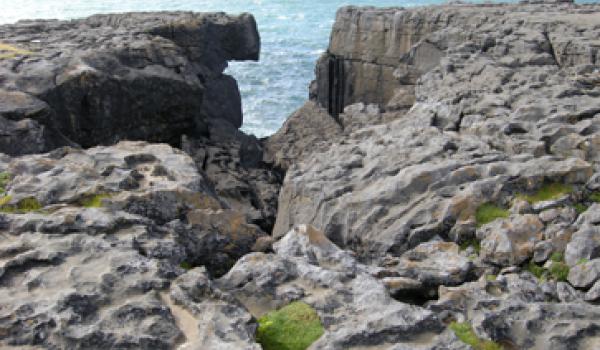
point(377, 55)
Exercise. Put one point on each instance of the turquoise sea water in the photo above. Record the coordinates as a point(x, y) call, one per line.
point(294, 33)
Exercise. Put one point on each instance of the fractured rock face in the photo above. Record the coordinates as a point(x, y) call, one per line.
point(433, 264)
point(140, 76)
point(233, 165)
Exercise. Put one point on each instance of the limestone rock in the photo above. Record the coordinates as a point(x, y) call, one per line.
point(584, 275)
point(510, 241)
point(307, 130)
point(584, 245)
point(496, 86)
point(233, 164)
point(434, 264)
point(515, 310)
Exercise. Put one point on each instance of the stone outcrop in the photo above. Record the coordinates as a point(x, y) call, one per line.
point(377, 55)
point(93, 241)
point(135, 76)
point(156, 77)
point(355, 307)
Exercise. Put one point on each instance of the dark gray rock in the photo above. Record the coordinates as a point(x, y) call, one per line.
point(308, 129)
point(136, 76)
point(233, 164)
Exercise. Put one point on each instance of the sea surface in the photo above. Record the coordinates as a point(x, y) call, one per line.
point(293, 32)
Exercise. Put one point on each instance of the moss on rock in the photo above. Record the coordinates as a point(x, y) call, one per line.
point(489, 212)
point(10, 51)
point(465, 333)
point(25, 205)
point(549, 191)
point(94, 200)
point(293, 327)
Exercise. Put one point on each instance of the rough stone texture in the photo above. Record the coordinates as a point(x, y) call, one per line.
point(377, 55)
point(308, 129)
point(355, 308)
point(81, 276)
point(144, 76)
point(443, 109)
point(584, 275)
point(519, 313)
point(233, 164)
point(510, 242)
point(432, 264)
point(585, 244)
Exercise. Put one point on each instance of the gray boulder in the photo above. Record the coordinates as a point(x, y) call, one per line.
point(584, 275)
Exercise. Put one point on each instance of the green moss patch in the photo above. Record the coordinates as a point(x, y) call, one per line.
point(465, 333)
point(580, 208)
point(547, 192)
point(293, 327)
point(535, 269)
point(583, 261)
point(186, 265)
point(93, 200)
point(489, 212)
point(594, 197)
point(25, 205)
point(4, 200)
point(4, 179)
point(10, 51)
point(471, 243)
point(558, 270)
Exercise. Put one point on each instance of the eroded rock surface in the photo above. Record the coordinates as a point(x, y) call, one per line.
point(477, 133)
point(92, 241)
